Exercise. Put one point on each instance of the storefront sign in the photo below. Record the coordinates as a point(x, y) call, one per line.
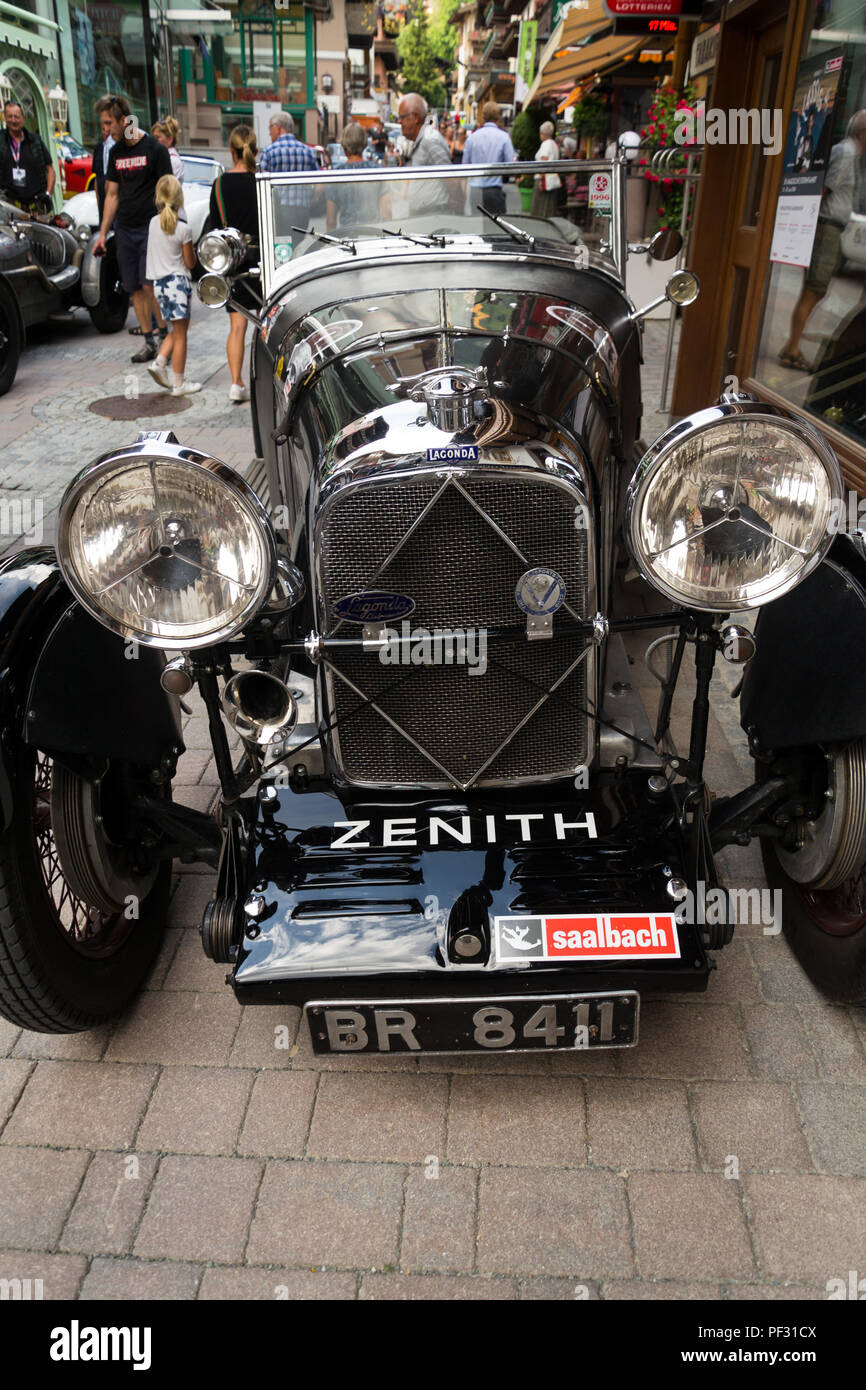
point(704, 50)
point(807, 158)
point(648, 9)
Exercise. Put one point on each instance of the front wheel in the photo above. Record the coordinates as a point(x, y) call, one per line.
point(823, 881)
point(81, 920)
point(110, 314)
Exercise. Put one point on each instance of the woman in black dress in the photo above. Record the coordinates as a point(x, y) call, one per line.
point(233, 204)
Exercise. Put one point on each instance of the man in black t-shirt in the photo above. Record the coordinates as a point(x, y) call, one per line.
point(136, 163)
point(26, 169)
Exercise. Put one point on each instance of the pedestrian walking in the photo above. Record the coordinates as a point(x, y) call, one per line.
point(288, 155)
point(136, 163)
point(26, 168)
point(489, 144)
point(349, 203)
point(233, 204)
point(457, 152)
point(545, 193)
point(424, 146)
point(166, 132)
point(170, 258)
point(101, 150)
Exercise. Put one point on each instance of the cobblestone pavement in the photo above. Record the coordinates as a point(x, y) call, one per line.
point(200, 1150)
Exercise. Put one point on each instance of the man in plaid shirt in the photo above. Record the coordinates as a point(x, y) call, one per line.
point(287, 155)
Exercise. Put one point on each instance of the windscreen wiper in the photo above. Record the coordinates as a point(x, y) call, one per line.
point(508, 227)
point(332, 240)
point(429, 240)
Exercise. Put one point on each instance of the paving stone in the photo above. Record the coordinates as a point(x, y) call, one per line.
point(61, 1275)
point(13, 1076)
point(109, 1206)
point(778, 1044)
point(9, 1035)
point(807, 1226)
point(192, 768)
point(191, 969)
point(266, 1036)
point(177, 1029)
point(687, 1041)
point(835, 1042)
point(559, 1290)
point(194, 892)
point(68, 1047)
point(38, 1187)
point(755, 1122)
point(161, 966)
point(439, 1219)
point(693, 1228)
point(196, 1110)
point(517, 1120)
point(484, 1063)
point(199, 1209)
point(440, 1287)
point(777, 1293)
point(82, 1104)
point(735, 980)
point(635, 1290)
point(553, 1222)
point(135, 1281)
point(278, 1119)
point(783, 979)
point(639, 1124)
point(335, 1214)
point(276, 1285)
point(379, 1117)
point(835, 1122)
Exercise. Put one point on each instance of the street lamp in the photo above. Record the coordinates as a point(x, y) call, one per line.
point(58, 106)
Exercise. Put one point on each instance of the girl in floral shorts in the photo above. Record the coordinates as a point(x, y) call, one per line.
point(170, 258)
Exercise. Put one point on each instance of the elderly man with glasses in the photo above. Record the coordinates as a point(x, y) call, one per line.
point(426, 146)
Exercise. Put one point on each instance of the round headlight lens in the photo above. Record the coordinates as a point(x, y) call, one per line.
point(733, 507)
point(172, 549)
point(221, 251)
point(213, 290)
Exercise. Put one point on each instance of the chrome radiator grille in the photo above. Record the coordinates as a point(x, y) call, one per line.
point(461, 574)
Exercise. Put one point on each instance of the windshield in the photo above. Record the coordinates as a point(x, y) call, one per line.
point(200, 170)
point(71, 149)
point(302, 214)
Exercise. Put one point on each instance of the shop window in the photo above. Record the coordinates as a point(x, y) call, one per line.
point(812, 341)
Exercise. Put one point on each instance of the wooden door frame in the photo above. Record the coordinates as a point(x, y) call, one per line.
point(705, 324)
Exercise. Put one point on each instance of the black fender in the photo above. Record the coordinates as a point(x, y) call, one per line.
point(68, 685)
point(806, 682)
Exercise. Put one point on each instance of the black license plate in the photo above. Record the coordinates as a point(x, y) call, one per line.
point(517, 1023)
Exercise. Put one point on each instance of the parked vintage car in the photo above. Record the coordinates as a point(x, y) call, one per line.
point(199, 175)
point(454, 826)
point(46, 270)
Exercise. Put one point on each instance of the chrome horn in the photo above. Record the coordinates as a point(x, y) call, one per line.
point(261, 708)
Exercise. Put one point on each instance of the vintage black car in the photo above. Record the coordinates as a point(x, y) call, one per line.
point(454, 825)
point(45, 270)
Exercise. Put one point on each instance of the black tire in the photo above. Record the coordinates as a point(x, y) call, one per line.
point(826, 929)
point(64, 967)
point(110, 314)
point(10, 338)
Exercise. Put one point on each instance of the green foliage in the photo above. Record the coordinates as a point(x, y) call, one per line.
point(443, 34)
point(590, 117)
point(524, 133)
point(418, 63)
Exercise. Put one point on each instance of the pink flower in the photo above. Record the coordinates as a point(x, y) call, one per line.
point(641, 161)
point(667, 183)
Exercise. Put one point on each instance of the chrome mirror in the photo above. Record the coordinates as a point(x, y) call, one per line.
point(682, 288)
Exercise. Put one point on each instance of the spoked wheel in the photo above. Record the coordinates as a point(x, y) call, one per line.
point(823, 881)
point(80, 920)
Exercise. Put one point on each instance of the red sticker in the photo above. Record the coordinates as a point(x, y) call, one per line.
point(602, 936)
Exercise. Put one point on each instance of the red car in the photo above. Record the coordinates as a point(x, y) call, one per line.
point(76, 165)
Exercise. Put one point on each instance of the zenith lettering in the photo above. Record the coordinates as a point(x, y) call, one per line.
point(462, 831)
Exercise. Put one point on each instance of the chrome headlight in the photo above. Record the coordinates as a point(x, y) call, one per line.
point(166, 545)
point(222, 251)
point(733, 506)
